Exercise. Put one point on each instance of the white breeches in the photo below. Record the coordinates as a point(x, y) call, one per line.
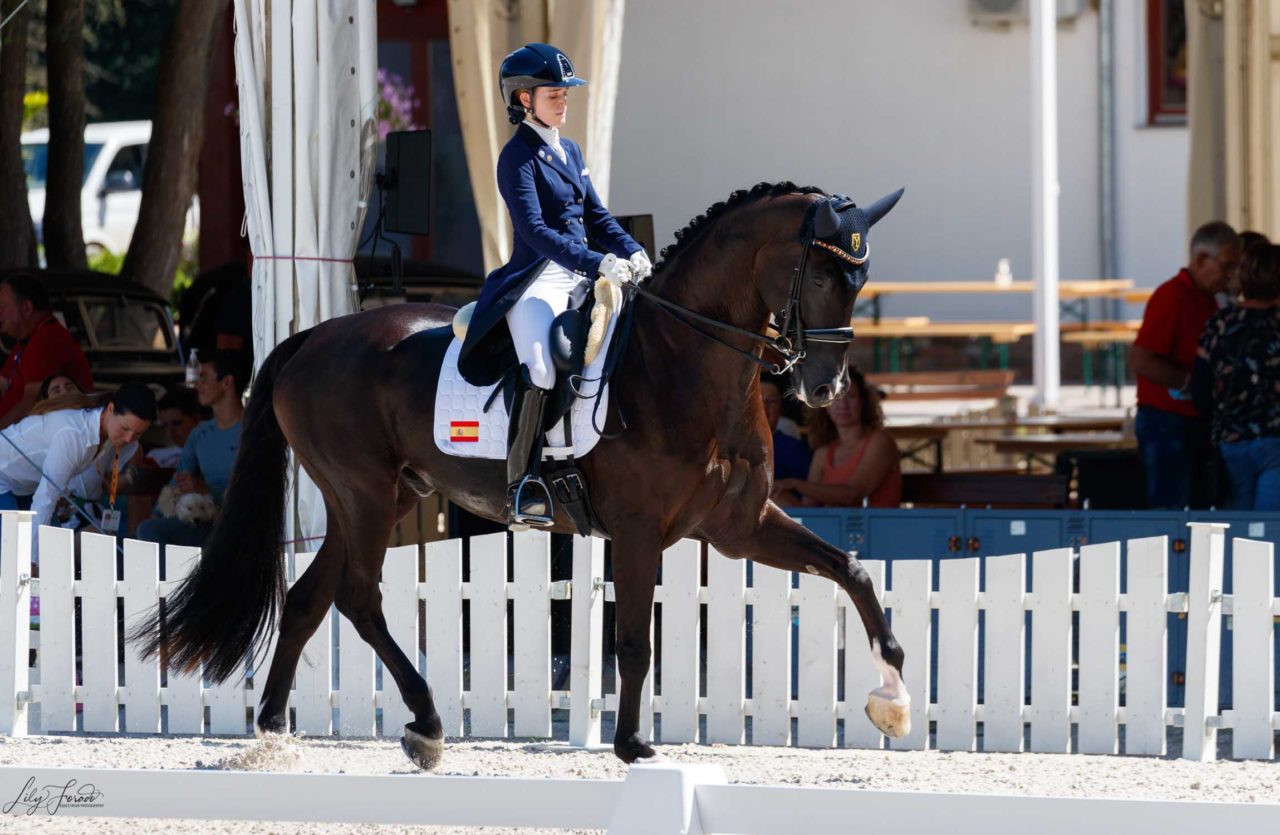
point(530, 318)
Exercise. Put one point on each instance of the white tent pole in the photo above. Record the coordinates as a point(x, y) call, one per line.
point(1044, 198)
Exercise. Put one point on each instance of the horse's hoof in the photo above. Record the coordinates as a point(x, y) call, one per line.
point(634, 749)
point(891, 715)
point(269, 726)
point(424, 751)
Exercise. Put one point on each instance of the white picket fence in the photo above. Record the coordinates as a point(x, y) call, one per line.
point(699, 680)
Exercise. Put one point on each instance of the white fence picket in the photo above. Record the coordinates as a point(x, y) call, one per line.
point(860, 673)
point(487, 697)
point(15, 614)
point(1253, 673)
point(957, 655)
point(646, 689)
point(1099, 661)
point(140, 585)
point(530, 697)
point(1204, 638)
point(771, 656)
point(356, 713)
point(680, 645)
point(726, 648)
point(184, 710)
point(911, 590)
point(57, 630)
point(816, 710)
point(1146, 656)
point(98, 632)
point(1003, 681)
point(400, 607)
point(1051, 651)
point(821, 631)
point(313, 681)
point(443, 624)
point(588, 643)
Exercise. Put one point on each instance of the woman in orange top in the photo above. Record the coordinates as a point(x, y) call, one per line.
point(855, 457)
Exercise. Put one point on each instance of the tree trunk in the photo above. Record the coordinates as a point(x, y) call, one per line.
point(17, 234)
point(63, 233)
point(176, 134)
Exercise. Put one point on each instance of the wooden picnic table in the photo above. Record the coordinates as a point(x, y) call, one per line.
point(1072, 289)
point(919, 438)
point(1043, 447)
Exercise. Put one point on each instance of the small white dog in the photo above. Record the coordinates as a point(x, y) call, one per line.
point(198, 509)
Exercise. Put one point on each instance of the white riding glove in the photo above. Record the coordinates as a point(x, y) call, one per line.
point(641, 265)
point(617, 271)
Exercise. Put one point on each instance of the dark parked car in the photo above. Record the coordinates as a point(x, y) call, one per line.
point(125, 329)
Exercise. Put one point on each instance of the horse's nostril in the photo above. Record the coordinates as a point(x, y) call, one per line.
point(822, 392)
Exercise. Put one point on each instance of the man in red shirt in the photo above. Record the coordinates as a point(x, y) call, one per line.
point(1173, 438)
point(44, 347)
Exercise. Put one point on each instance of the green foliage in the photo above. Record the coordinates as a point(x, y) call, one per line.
point(106, 261)
point(35, 106)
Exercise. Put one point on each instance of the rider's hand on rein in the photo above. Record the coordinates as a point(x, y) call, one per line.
point(641, 266)
point(617, 271)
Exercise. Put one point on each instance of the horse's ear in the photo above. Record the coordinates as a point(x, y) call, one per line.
point(881, 207)
point(826, 222)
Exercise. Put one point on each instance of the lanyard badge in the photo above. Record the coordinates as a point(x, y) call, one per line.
point(111, 516)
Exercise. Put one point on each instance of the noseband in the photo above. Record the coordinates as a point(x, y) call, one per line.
point(793, 336)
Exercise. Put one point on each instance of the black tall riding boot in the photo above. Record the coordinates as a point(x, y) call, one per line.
point(528, 499)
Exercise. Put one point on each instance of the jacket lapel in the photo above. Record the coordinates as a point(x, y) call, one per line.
point(548, 157)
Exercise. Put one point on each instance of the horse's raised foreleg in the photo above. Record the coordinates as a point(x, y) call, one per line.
point(635, 571)
point(783, 543)
point(304, 608)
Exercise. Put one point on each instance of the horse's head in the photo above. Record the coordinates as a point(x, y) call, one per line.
point(812, 282)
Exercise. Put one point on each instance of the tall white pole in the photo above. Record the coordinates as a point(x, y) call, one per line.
point(1044, 198)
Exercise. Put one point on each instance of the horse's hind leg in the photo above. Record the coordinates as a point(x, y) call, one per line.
point(304, 608)
point(360, 601)
point(783, 543)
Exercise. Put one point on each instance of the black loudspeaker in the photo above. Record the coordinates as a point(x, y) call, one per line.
point(407, 184)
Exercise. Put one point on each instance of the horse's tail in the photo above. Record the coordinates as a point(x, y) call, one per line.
point(227, 605)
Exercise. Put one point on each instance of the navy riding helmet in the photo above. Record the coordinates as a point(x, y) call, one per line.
point(533, 65)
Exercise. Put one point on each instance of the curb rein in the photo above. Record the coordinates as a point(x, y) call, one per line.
point(792, 335)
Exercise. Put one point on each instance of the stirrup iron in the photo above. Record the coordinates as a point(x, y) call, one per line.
point(526, 508)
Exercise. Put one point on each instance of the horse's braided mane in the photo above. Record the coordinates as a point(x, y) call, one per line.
point(690, 233)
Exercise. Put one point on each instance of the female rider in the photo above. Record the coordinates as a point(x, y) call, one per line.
point(548, 192)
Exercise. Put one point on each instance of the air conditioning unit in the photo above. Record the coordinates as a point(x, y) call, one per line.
point(1003, 12)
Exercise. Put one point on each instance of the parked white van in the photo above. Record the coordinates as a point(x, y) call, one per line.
point(114, 155)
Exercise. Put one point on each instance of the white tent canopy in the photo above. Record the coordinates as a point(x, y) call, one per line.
point(308, 127)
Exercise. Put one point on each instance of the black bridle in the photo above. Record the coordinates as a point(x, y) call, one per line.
point(793, 337)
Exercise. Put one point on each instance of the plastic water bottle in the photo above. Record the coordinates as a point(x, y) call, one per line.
point(1004, 275)
point(193, 368)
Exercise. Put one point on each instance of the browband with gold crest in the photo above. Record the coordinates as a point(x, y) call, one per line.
point(837, 251)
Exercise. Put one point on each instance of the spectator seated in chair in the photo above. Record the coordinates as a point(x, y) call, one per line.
point(43, 349)
point(855, 457)
point(790, 454)
point(207, 457)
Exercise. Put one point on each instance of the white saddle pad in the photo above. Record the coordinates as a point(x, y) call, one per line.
point(464, 429)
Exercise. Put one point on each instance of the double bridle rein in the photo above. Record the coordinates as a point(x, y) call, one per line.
point(793, 336)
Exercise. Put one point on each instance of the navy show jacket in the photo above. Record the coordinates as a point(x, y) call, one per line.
point(552, 205)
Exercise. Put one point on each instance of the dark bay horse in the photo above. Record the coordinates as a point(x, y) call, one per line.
point(354, 398)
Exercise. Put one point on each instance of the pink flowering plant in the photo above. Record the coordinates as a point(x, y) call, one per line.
point(396, 103)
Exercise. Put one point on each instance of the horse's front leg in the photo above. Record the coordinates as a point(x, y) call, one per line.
point(781, 542)
point(635, 571)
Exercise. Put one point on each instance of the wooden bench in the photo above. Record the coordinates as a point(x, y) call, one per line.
point(943, 385)
point(986, 489)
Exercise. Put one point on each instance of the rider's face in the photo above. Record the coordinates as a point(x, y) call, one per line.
point(551, 105)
